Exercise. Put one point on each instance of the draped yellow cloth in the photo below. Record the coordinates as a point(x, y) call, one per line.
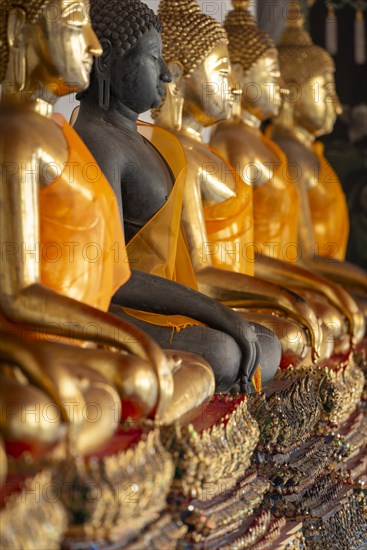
point(82, 247)
point(230, 228)
point(329, 210)
point(82, 251)
point(275, 208)
point(159, 247)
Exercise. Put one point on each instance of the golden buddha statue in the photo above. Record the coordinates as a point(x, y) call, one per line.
point(217, 216)
point(48, 204)
point(60, 399)
point(146, 167)
point(260, 163)
point(263, 165)
point(217, 204)
point(310, 111)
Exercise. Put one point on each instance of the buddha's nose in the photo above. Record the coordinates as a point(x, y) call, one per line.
point(283, 89)
point(94, 46)
point(337, 106)
point(166, 75)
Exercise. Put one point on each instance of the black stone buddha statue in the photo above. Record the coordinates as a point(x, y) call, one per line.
point(146, 175)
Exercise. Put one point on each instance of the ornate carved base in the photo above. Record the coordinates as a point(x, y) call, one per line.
point(109, 498)
point(213, 452)
point(289, 415)
point(32, 515)
point(340, 523)
point(312, 449)
point(341, 391)
point(114, 497)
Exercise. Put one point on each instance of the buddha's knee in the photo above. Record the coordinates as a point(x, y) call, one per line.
point(65, 392)
point(101, 411)
point(134, 379)
point(28, 417)
point(3, 462)
point(327, 346)
point(194, 385)
point(293, 339)
point(223, 355)
point(219, 349)
point(271, 352)
point(332, 318)
point(290, 334)
point(361, 301)
point(326, 349)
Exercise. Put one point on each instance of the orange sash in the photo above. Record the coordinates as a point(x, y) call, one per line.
point(276, 206)
point(329, 210)
point(82, 242)
point(82, 249)
point(159, 247)
point(230, 230)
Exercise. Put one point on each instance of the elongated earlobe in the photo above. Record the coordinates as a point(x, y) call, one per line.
point(176, 93)
point(103, 73)
point(16, 22)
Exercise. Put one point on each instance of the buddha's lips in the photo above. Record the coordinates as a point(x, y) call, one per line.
point(161, 89)
point(88, 62)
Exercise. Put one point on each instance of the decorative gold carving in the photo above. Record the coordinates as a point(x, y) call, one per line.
point(289, 417)
point(33, 517)
point(217, 456)
point(341, 391)
point(164, 533)
point(339, 524)
point(116, 497)
point(227, 515)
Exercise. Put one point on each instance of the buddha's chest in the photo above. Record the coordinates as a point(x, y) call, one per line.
point(303, 166)
point(146, 182)
point(262, 166)
point(216, 179)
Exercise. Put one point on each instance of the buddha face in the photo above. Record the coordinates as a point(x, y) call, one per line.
point(67, 44)
point(207, 92)
point(138, 78)
point(260, 85)
point(317, 105)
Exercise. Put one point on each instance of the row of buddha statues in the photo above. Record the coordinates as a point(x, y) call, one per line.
point(176, 315)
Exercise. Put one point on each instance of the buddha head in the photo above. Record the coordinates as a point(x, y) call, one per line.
point(131, 71)
point(195, 49)
point(254, 60)
point(308, 72)
point(46, 42)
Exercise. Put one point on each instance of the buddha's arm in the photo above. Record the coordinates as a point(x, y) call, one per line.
point(279, 272)
point(152, 293)
point(30, 362)
point(46, 366)
point(235, 288)
point(343, 273)
point(244, 291)
point(349, 275)
point(306, 234)
point(24, 300)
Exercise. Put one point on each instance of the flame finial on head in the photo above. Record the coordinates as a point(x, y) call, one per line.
point(240, 4)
